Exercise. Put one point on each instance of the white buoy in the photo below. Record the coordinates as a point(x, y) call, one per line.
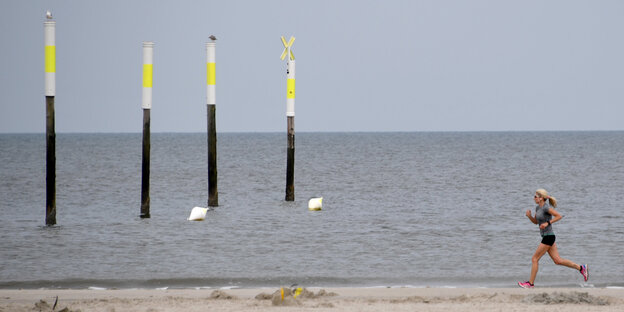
point(198, 214)
point(315, 203)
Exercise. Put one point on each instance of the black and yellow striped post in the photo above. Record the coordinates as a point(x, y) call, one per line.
point(50, 91)
point(290, 116)
point(213, 193)
point(148, 56)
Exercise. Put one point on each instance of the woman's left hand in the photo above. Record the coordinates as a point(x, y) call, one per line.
point(543, 225)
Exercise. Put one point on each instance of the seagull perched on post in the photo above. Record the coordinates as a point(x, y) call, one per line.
point(212, 37)
point(48, 14)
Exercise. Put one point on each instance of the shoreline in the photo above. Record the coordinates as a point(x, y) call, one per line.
point(242, 288)
point(321, 299)
point(318, 282)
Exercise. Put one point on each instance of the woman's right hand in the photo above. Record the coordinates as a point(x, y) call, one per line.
point(528, 213)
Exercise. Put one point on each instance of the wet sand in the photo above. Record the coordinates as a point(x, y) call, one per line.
point(316, 299)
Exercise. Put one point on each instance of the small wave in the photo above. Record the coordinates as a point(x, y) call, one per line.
point(96, 288)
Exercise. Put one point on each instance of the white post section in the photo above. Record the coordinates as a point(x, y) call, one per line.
point(290, 75)
point(210, 73)
point(148, 62)
point(50, 57)
point(290, 88)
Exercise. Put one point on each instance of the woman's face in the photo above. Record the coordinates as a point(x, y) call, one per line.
point(537, 198)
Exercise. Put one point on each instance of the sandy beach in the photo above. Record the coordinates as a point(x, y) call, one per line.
point(316, 299)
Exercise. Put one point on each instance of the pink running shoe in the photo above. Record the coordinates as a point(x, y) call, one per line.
point(525, 284)
point(584, 272)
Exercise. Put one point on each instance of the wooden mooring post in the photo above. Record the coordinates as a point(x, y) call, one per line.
point(290, 116)
point(148, 56)
point(213, 193)
point(49, 27)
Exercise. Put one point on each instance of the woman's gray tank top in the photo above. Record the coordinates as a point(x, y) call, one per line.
point(542, 216)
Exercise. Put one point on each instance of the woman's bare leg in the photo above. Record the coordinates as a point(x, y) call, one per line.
point(541, 250)
point(554, 254)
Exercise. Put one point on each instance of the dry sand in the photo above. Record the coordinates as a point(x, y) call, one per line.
point(316, 299)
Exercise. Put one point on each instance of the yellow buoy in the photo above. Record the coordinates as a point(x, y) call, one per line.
point(315, 203)
point(297, 292)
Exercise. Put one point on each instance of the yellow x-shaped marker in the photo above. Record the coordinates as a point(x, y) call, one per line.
point(287, 47)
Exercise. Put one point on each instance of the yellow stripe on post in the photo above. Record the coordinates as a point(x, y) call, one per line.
point(210, 72)
point(290, 88)
point(50, 59)
point(147, 75)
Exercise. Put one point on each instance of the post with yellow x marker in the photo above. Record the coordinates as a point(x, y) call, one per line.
point(290, 116)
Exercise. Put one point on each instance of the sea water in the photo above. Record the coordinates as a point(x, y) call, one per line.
point(400, 209)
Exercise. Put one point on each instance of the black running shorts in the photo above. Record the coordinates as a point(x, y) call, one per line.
point(548, 240)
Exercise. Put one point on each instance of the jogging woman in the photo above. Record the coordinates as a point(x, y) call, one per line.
point(545, 216)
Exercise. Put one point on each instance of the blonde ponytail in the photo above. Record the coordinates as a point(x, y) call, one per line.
point(552, 201)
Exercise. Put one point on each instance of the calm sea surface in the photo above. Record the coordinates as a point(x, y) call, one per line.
point(419, 209)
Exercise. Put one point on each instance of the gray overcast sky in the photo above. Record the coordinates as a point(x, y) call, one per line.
point(361, 65)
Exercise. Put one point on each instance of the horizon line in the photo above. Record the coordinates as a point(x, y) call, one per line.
point(342, 131)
